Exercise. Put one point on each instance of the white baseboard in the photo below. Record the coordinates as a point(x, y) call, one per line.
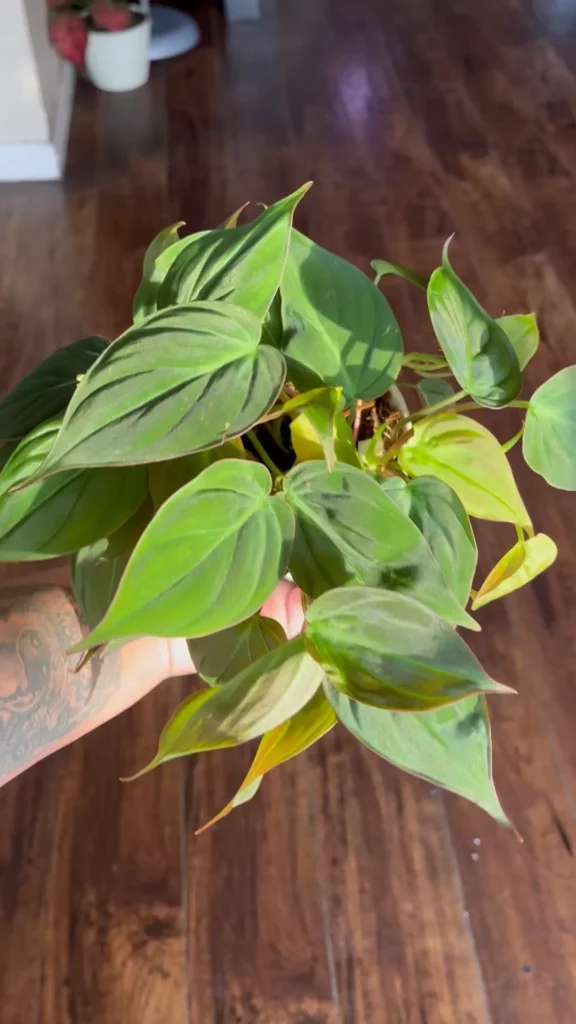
point(42, 161)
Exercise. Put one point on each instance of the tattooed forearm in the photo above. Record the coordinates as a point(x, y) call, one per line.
point(42, 699)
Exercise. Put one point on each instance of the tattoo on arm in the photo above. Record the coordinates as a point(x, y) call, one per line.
point(42, 699)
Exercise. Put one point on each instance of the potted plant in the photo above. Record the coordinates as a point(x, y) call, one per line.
point(107, 38)
point(246, 425)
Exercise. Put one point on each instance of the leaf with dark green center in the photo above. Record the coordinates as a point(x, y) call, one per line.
point(441, 517)
point(389, 651)
point(188, 378)
point(60, 515)
point(240, 265)
point(287, 740)
point(519, 566)
point(266, 694)
point(523, 334)
point(549, 442)
point(467, 457)
point(383, 267)
point(210, 557)
point(379, 545)
point(478, 350)
point(47, 390)
point(449, 747)
point(155, 269)
point(338, 328)
point(220, 657)
point(432, 391)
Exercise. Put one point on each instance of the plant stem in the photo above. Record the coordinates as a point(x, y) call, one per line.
point(519, 404)
point(268, 462)
point(431, 410)
point(510, 444)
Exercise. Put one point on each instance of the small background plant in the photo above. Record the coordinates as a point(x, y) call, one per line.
point(70, 20)
point(250, 423)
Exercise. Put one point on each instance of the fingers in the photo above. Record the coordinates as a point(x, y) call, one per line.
point(285, 606)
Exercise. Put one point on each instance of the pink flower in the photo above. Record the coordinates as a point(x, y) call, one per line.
point(69, 35)
point(112, 17)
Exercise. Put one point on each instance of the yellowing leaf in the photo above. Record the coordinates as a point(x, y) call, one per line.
point(467, 457)
point(314, 720)
point(519, 566)
point(308, 446)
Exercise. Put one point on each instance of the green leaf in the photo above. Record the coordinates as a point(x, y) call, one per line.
point(266, 694)
point(95, 580)
point(188, 378)
point(441, 517)
point(467, 457)
point(449, 747)
point(46, 391)
point(549, 442)
point(155, 269)
point(210, 557)
point(383, 267)
point(308, 446)
point(423, 362)
point(523, 334)
point(241, 265)
point(287, 740)
point(379, 545)
point(432, 391)
point(479, 352)
point(220, 657)
point(389, 651)
point(60, 515)
point(320, 408)
point(165, 478)
point(526, 560)
point(338, 328)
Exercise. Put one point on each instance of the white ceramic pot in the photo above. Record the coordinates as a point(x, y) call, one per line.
point(119, 61)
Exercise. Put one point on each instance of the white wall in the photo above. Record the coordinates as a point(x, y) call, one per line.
point(31, 74)
point(36, 90)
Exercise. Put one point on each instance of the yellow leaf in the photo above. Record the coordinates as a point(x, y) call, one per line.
point(465, 455)
point(314, 720)
point(308, 446)
point(519, 566)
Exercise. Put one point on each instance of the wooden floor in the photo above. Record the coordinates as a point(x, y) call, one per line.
point(346, 893)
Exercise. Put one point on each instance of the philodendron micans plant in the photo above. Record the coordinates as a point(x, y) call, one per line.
point(250, 424)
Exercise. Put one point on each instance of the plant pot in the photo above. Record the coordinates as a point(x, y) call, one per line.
point(119, 61)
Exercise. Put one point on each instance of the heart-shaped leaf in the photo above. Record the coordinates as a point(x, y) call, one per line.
point(338, 328)
point(467, 457)
point(266, 694)
point(241, 265)
point(549, 442)
point(523, 334)
point(46, 391)
point(222, 656)
point(526, 560)
point(433, 390)
point(188, 378)
point(383, 267)
point(389, 651)
point(378, 543)
point(210, 557)
point(60, 515)
point(155, 269)
point(449, 747)
point(441, 517)
point(478, 350)
point(287, 740)
point(165, 478)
